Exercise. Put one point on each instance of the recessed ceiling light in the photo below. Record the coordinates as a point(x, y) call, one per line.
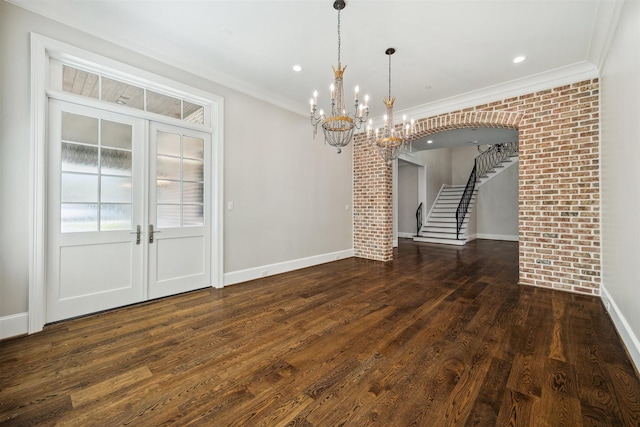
point(430, 141)
point(297, 68)
point(519, 59)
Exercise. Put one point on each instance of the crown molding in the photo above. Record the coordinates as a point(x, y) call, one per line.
point(549, 79)
point(605, 24)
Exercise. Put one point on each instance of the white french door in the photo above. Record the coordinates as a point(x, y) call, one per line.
point(179, 221)
point(127, 220)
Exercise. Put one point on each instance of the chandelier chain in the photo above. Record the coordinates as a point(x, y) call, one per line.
point(389, 76)
point(339, 40)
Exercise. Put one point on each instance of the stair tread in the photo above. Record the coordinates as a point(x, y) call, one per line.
point(442, 241)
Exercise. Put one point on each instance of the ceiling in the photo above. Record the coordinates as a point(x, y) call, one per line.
point(444, 49)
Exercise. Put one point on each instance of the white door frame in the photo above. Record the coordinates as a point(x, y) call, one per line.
point(42, 50)
point(422, 189)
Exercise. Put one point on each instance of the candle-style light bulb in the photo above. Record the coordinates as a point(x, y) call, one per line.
point(366, 101)
point(357, 90)
point(315, 97)
point(311, 105)
point(332, 88)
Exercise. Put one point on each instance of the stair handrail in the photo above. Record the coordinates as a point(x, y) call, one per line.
point(419, 219)
point(482, 164)
point(463, 206)
point(495, 155)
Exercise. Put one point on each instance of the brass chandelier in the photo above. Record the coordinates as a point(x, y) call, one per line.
point(390, 140)
point(339, 126)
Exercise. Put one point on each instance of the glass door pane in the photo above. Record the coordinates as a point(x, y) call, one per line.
point(179, 180)
point(96, 170)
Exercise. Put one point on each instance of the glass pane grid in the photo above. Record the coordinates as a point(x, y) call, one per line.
point(96, 182)
point(180, 199)
point(83, 83)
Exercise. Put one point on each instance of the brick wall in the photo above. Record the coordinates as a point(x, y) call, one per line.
point(559, 219)
point(372, 203)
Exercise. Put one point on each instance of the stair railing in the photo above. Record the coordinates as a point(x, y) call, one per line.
point(495, 155)
point(419, 219)
point(463, 206)
point(485, 162)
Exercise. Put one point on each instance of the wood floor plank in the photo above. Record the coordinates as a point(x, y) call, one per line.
point(439, 336)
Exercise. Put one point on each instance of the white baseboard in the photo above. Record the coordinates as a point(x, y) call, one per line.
point(240, 276)
point(16, 324)
point(406, 235)
point(622, 326)
point(498, 237)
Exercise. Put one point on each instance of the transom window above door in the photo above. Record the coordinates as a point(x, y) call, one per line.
point(97, 86)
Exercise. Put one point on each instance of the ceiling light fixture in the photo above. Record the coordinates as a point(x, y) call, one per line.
point(389, 141)
point(297, 68)
point(338, 128)
point(519, 59)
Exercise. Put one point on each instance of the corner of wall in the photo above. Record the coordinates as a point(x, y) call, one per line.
point(625, 331)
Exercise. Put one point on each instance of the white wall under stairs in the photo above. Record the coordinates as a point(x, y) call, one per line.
point(440, 225)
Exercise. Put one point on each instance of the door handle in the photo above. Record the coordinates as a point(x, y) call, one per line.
point(138, 232)
point(152, 232)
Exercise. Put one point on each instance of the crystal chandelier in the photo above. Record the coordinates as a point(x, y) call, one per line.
point(390, 140)
point(339, 127)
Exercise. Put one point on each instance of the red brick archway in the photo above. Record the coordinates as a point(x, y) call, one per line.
point(559, 218)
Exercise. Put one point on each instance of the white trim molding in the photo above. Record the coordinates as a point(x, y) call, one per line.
point(14, 325)
point(629, 339)
point(405, 235)
point(507, 238)
point(253, 273)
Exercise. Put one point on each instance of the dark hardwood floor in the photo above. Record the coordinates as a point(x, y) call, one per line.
point(441, 336)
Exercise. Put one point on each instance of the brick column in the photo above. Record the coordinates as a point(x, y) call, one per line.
point(372, 203)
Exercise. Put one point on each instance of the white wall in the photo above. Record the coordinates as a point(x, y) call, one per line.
point(497, 206)
point(438, 165)
point(407, 198)
point(620, 175)
point(462, 159)
point(290, 191)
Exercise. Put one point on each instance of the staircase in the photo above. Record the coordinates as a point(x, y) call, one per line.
point(441, 225)
point(448, 218)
